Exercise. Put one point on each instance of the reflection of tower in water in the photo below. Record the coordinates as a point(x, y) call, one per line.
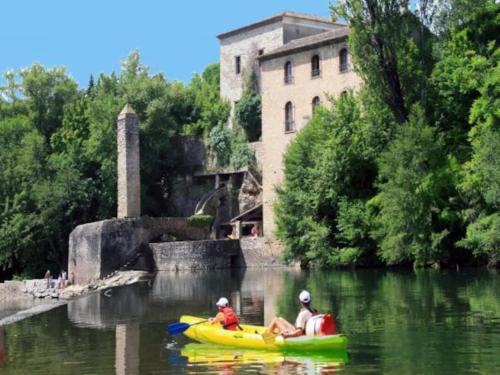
point(127, 349)
point(260, 292)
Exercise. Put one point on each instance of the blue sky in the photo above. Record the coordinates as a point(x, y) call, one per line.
point(177, 38)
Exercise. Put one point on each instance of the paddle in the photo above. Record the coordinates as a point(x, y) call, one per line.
point(176, 328)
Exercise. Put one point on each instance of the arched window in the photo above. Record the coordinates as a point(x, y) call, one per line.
point(343, 60)
point(289, 123)
point(288, 72)
point(315, 66)
point(315, 103)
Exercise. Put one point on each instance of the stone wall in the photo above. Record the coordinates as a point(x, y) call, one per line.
point(195, 255)
point(190, 153)
point(246, 45)
point(255, 253)
point(257, 148)
point(11, 290)
point(97, 249)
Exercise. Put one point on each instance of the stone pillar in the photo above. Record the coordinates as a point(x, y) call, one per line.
point(237, 229)
point(129, 177)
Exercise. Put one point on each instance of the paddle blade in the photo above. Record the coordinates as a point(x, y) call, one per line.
point(176, 328)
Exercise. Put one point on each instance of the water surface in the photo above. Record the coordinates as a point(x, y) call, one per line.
point(423, 322)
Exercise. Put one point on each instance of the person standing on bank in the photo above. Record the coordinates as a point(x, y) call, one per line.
point(287, 329)
point(226, 315)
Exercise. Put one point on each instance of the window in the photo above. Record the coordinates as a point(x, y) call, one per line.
point(261, 51)
point(315, 103)
point(343, 60)
point(289, 123)
point(237, 64)
point(288, 72)
point(315, 66)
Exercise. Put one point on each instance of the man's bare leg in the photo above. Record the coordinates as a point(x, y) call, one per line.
point(280, 324)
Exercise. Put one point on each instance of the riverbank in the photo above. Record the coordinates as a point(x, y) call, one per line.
point(22, 299)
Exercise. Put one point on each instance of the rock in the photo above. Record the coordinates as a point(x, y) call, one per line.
point(250, 194)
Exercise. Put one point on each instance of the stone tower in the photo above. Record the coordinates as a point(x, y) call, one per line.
point(129, 176)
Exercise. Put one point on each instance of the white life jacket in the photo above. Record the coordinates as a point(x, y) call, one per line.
point(313, 325)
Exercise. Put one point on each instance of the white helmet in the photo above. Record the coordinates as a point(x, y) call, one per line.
point(305, 296)
point(222, 302)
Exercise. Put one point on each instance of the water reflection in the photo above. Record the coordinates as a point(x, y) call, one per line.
point(127, 349)
point(229, 361)
point(397, 322)
point(2, 344)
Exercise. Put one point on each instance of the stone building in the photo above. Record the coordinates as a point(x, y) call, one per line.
point(240, 48)
point(299, 60)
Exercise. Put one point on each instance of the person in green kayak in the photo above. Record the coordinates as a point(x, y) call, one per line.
point(226, 315)
point(286, 329)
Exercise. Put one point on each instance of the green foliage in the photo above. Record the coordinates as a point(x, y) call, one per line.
point(329, 174)
point(210, 108)
point(481, 180)
point(456, 81)
point(483, 238)
point(391, 51)
point(248, 111)
point(415, 180)
point(219, 142)
point(241, 153)
point(200, 221)
point(230, 149)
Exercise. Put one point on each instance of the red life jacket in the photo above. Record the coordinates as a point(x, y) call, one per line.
point(231, 321)
point(328, 325)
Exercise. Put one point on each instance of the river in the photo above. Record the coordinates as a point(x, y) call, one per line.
point(407, 322)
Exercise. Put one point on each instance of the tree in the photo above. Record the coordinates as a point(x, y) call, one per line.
point(458, 76)
point(481, 180)
point(329, 167)
point(390, 49)
point(210, 108)
point(412, 209)
point(46, 93)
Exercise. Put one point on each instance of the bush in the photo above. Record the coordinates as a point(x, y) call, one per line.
point(241, 153)
point(219, 142)
point(200, 221)
point(248, 115)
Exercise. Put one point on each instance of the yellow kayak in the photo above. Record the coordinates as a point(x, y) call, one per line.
point(251, 338)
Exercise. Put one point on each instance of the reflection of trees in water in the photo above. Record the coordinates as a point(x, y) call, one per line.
point(47, 344)
point(2, 344)
point(408, 319)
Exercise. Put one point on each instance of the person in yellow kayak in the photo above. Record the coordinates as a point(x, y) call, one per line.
point(286, 329)
point(226, 315)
